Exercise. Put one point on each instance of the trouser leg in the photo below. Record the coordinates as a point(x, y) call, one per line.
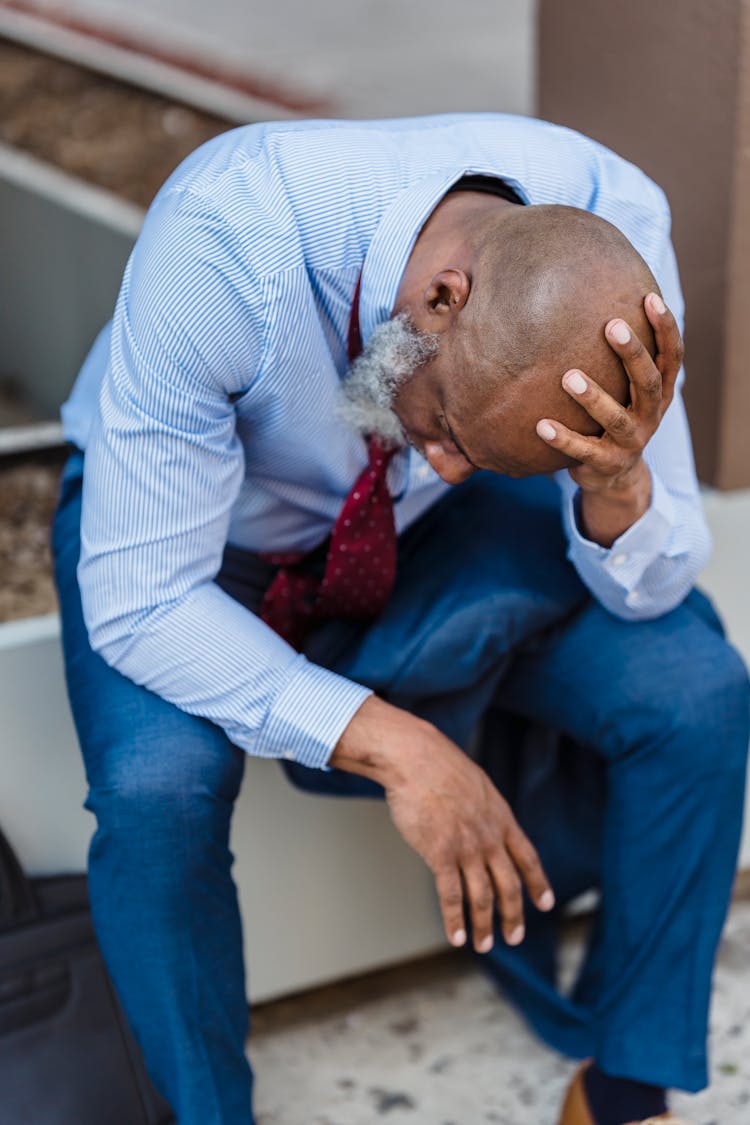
point(161, 785)
point(665, 705)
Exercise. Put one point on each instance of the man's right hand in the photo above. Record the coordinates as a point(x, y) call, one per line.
point(448, 810)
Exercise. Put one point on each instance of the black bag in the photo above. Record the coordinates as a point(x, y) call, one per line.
point(67, 1056)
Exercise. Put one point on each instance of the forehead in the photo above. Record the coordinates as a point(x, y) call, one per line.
point(494, 415)
point(522, 365)
point(480, 405)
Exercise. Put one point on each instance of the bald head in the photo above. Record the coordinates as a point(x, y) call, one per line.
point(546, 281)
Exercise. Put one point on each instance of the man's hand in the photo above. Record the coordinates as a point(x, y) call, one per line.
point(613, 477)
point(450, 813)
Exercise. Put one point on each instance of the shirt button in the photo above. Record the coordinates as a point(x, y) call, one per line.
point(423, 472)
point(619, 560)
point(289, 755)
point(633, 598)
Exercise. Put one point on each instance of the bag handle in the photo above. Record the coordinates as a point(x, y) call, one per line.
point(17, 900)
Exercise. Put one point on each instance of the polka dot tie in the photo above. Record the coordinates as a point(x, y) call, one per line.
point(360, 566)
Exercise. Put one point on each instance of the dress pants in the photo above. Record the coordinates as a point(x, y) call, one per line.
point(622, 748)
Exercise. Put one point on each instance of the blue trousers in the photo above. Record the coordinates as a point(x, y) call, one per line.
point(621, 746)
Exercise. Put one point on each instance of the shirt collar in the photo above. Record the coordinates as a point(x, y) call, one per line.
point(395, 236)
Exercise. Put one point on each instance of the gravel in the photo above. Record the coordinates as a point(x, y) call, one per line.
point(120, 137)
point(28, 494)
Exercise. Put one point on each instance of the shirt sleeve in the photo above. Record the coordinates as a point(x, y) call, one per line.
point(654, 564)
point(162, 470)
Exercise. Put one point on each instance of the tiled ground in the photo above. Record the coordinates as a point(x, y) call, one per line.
point(432, 1044)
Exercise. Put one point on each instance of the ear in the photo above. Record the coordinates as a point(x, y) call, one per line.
point(447, 293)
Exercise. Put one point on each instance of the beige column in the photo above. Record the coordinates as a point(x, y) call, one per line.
point(666, 83)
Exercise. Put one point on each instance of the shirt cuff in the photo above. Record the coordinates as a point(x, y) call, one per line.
point(633, 552)
point(309, 716)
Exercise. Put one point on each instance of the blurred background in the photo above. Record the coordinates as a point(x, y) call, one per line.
point(101, 99)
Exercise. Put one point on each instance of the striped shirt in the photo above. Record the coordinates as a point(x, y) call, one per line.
point(206, 407)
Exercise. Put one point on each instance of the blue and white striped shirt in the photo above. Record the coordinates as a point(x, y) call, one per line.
point(206, 408)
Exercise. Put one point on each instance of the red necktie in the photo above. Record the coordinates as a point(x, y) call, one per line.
point(361, 561)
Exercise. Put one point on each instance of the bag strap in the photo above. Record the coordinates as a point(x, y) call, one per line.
point(17, 901)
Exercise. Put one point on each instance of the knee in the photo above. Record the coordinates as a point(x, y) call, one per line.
point(704, 717)
point(715, 694)
point(143, 800)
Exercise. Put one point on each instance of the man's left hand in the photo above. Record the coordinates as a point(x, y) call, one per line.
point(613, 477)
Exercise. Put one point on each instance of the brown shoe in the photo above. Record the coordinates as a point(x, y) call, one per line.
point(577, 1111)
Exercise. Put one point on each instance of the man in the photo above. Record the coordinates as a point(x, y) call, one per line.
point(349, 570)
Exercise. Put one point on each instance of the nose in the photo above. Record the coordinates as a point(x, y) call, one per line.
point(448, 462)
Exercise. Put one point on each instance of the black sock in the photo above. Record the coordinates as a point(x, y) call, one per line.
point(615, 1101)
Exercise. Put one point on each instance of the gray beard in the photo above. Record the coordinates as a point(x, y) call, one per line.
point(393, 353)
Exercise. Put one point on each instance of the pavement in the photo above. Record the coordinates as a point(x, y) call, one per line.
point(433, 1044)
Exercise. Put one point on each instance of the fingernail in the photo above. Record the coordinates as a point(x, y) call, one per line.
point(486, 944)
point(546, 901)
point(620, 332)
point(575, 382)
point(546, 431)
point(657, 304)
point(517, 936)
point(459, 937)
